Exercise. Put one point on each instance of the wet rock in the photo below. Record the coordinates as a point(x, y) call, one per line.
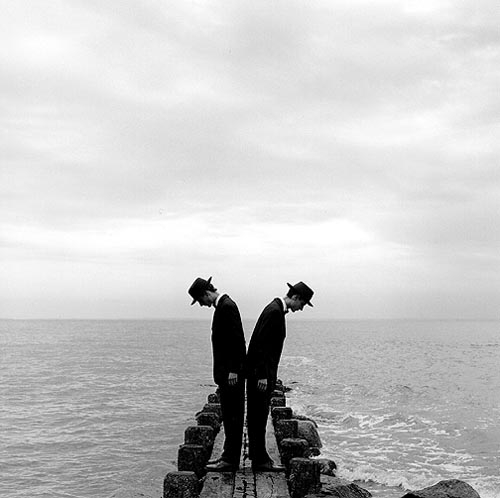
point(303, 417)
point(452, 488)
point(327, 467)
point(339, 488)
point(307, 430)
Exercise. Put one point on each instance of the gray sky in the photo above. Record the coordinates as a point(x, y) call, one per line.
point(350, 144)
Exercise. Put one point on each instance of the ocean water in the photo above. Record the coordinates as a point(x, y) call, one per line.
point(97, 409)
point(402, 404)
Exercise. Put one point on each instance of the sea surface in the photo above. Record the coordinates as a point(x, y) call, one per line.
point(98, 409)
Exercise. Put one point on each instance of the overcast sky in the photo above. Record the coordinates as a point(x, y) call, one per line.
point(350, 144)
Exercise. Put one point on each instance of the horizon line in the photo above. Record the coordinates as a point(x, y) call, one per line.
point(300, 318)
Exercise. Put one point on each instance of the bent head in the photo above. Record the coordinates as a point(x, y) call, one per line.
point(203, 292)
point(296, 303)
point(298, 296)
point(206, 299)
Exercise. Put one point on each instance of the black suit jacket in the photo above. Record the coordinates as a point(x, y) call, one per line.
point(228, 340)
point(266, 344)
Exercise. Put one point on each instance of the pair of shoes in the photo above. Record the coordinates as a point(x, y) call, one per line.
point(269, 466)
point(222, 466)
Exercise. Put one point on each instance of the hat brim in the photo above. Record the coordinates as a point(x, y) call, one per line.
point(292, 287)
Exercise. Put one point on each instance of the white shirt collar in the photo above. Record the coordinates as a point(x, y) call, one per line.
point(216, 302)
point(285, 309)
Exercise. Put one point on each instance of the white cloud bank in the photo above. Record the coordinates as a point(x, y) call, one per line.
point(352, 145)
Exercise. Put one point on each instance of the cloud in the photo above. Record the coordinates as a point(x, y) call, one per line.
point(355, 139)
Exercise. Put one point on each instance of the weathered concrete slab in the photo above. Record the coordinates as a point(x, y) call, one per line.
point(218, 485)
point(271, 485)
point(244, 482)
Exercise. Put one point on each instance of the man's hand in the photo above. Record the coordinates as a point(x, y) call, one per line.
point(262, 385)
point(232, 379)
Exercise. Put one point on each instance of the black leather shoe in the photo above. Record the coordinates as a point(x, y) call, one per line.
point(268, 467)
point(214, 461)
point(222, 466)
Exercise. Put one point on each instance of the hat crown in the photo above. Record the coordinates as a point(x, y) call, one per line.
point(303, 290)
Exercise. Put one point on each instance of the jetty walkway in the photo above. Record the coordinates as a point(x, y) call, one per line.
point(246, 483)
point(286, 444)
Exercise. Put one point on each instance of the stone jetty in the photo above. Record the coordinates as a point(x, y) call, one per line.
point(292, 441)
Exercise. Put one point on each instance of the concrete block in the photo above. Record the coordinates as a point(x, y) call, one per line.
point(281, 412)
point(285, 429)
point(200, 434)
point(293, 448)
point(304, 477)
point(182, 484)
point(192, 457)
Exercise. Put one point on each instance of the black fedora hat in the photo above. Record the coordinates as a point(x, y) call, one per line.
point(303, 290)
point(198, 288)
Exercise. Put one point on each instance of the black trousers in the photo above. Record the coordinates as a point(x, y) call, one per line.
point(232, 403)
point(258, 403)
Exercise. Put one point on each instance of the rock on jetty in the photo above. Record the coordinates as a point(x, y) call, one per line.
point(293, 441)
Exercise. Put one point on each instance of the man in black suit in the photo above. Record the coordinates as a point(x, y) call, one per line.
point(229, 349)
point(264, 353)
